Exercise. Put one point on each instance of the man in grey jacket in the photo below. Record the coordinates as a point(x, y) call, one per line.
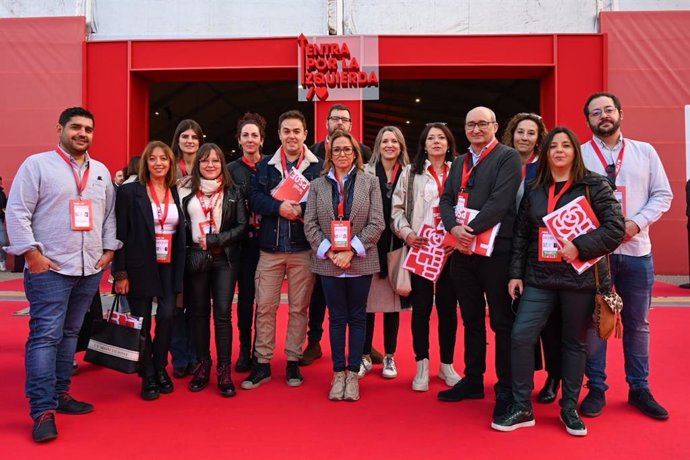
point(61, 218)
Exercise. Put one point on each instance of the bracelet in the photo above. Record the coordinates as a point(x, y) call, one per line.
point(119, 276)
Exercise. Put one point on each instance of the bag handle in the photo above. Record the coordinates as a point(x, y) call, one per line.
point(115, 306)
point(596, 265)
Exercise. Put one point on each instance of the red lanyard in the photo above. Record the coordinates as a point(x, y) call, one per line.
point(604, 163)
point(208, 210)
point(249, 163)
point(341, 203)
point(530, 160)
point(183, 168)
point(162, 214)
point(394, 173)
point(283, 159)
point(81, 183)
point(439, 185)
point(467, 173)
point(554, 199)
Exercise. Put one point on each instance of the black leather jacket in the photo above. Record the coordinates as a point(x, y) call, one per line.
point(233, 227)
point(524, 263)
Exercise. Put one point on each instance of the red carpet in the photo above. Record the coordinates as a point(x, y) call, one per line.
point(390, 421)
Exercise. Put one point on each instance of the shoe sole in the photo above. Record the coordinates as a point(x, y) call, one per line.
point(151, 397)
point(574, 432)
point(420, 387)
point(391, 376)
point(505, 429)
point(308, 362)
point(196, 389)
point(591, 414)
point(294, 383)
point(648, 414)
point(250, 385)
point(46, 438)
point(472, 396)
point(167, 391)
point(87, 411)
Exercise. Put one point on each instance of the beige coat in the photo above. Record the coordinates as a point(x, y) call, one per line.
point(366, 220)
point(382, 297)
point(426, 197)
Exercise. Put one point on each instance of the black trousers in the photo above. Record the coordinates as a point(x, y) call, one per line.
point(477, 280)
point(391, 325)
point(551, 344)
point(246, 289)
point(217, 284)
point(424, 295)
point(155, 353)
point(536, 305)
point(317, 312)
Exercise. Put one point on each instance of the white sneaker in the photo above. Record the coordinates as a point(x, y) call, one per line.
point(337, 392)
point(3, 267)
point(421, 379)
point(390, 370)
point(447, 374)
point(365, 366)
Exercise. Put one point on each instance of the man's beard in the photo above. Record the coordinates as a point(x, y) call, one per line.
point(603, 132)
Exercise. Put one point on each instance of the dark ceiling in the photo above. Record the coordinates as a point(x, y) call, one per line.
point(409, 104)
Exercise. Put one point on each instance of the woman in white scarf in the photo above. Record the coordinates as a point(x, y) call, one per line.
point(216, 223)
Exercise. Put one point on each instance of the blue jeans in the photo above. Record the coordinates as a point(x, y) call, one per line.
point(633, 278)
point(58, 304)
point(347, 309)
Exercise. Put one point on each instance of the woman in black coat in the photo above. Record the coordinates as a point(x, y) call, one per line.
point(150, 264)
point(545, 278)
point(216, 222)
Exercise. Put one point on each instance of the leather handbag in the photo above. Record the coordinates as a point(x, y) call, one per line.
point(398, 277)
point(607, 305)
point(116, 343)
point(197, 260)
point(607, 309)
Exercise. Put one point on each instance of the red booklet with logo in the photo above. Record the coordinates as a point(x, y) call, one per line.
point(428, 261)
point(571, 221)
point(294, 187)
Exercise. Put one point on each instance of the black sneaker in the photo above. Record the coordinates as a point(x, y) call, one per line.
point(517, 416)
point(572, 421)
point(293, 376)
point(68, 405)
point(44, 427)
point(593, 403)
point(462, 390)
point(643, 400)
point(261, 372)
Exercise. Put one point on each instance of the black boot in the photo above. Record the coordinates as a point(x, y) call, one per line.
point(149, 388)
point(550, 391)
point(244, 360)
point(202, 374)
point(225, 385)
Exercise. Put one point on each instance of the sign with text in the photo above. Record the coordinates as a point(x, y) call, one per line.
point(342, 68)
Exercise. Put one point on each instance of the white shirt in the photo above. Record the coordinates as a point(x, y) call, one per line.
point(647, 190)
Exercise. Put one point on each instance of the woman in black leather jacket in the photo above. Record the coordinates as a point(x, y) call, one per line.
point(545, 277)
point(216, 222)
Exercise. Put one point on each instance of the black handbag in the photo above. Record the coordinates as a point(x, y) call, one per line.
point(197, 260)
point(116, 343)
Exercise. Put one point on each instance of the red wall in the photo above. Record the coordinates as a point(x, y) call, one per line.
point(649, 69)
point(41, 76)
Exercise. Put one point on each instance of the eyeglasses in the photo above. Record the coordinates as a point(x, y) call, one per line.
point(596, 113)
point(340, 119)
point(470, 125)
point(529, 114)
point(342, 151)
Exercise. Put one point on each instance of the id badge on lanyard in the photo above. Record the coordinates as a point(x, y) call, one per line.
point(163, 246)
point(619, 194)
point(340, 235)
point(548, 247)
point(81, 214)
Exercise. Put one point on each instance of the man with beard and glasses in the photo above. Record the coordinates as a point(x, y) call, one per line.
point(635, 170)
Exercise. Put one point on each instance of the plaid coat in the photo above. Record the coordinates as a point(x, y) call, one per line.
point(366, 220)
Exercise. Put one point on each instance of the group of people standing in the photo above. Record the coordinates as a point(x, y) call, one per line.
point(188, 224)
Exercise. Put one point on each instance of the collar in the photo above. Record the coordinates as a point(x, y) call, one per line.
point(477, 155)
point(427, 164)
point(309, 158)
point(603, 146)
point(331, 174)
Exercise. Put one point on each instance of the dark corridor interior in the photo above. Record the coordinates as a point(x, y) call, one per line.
point(408, 104)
